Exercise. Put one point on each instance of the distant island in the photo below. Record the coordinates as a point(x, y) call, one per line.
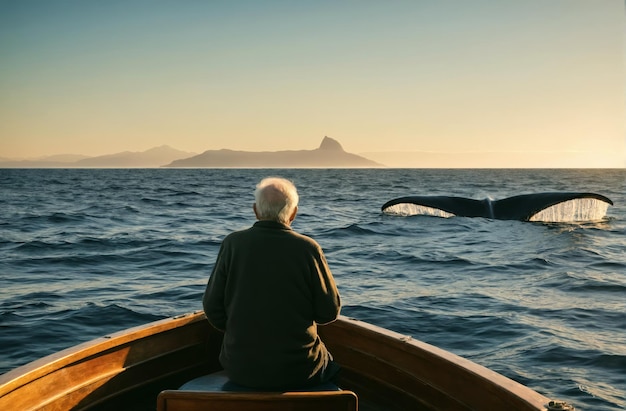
point(330, 154)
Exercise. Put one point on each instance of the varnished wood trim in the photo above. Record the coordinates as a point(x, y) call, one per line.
point(414, 366)
point(375, 361)
point(90, 372)
point(236, 401)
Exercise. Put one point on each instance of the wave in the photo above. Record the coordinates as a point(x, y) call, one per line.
point(351, 230)
point(46, 220)
point(587, 281)
point(100, 250)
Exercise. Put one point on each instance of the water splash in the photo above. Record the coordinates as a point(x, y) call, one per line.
point(546, 207)
point(489, 202)
point(580, 209)
point(408, 209)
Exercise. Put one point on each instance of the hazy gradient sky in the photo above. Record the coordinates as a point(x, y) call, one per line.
point(98, 77)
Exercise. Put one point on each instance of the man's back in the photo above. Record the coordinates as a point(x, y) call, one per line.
point(269, 287)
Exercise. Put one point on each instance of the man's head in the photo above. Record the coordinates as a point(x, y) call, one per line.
point(276, 199)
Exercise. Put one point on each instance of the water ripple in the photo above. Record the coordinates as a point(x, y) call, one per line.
point(84, 253)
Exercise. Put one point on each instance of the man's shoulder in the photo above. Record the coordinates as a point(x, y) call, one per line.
point(305, 239)
point(237, 234)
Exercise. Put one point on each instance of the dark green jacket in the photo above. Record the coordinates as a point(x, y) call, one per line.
point(268, 289)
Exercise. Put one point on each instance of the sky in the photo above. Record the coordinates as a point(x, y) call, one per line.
point(498, 82)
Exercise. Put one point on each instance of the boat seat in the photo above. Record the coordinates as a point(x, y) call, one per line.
point(176, 400)
point(216, 392)
point(218, 381)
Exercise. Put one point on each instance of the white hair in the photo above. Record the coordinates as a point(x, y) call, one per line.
point(275, 198)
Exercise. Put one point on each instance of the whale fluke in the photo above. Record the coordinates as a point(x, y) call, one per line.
point(554, 206)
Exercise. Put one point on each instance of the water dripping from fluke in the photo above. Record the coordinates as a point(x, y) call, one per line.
point(543, 207)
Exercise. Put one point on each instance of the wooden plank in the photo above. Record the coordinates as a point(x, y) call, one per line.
point(469, 384)
point(399, 386)
point(90, 372)
point(376, 396)
point(173, 400)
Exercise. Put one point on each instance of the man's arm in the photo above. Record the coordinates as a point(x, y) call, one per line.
point(213, 299)
point(326, 299)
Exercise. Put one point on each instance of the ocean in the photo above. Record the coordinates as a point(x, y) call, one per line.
point(86, 252)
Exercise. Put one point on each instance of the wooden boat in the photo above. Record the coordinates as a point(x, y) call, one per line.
point(128, 369)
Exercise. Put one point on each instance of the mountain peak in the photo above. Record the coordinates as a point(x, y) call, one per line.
point(330, 144)
point(330, 154)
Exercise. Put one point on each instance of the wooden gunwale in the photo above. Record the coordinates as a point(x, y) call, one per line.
point(90, 373)
point(427, 374)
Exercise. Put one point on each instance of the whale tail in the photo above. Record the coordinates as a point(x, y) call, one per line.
point(547, 207)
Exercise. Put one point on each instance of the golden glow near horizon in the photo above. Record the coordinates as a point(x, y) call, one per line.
point(526, 83)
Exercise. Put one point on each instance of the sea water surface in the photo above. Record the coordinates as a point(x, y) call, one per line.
point(87, 252)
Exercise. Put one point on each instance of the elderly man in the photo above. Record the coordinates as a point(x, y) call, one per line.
point(269, 289)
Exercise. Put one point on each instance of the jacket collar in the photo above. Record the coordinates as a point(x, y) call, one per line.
point(272, 224)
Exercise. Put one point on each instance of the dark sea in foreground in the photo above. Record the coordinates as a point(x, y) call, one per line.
point(86, 252)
